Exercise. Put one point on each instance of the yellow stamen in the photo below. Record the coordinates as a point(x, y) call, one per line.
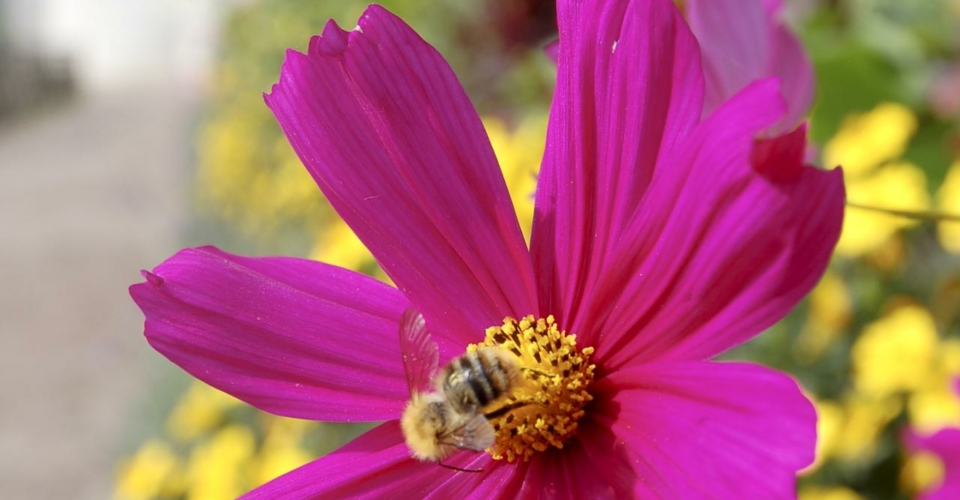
point(543, 410)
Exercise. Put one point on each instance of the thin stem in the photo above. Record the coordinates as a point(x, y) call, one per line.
point(910, 214)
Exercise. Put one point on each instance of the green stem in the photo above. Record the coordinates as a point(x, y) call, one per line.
point(928, 215)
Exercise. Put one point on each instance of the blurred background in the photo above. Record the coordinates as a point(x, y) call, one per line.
point(129, 130)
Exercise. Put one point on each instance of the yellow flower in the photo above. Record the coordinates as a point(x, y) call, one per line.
point(934, 408)
point(256, 189)
point(868, 140)
point(830, 420)
point(921, 471)
point(281, 451)
point(144, 475)
point(338, 245)
point(217, 468)
point(829, 314)
point(199, 410)
point(896, 186)
point(935, 404)
point(519, 151)
point(866, 147)
point(948, 200)
point(901, 352)
point(849, 432)
point(827, 493)
point(272, 463)
point(895, 352)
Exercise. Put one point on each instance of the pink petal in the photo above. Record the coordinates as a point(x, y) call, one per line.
point(720, 249)
point(552, 51)
point(589, 466)
point(946, 445)
point(745, 41)
point(781, 158)
point(293, 337)
point(378, 465)
point(386, 130)
point(629, 88)
point(709, 430)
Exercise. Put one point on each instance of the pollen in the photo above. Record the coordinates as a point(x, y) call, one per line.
point(543, 409)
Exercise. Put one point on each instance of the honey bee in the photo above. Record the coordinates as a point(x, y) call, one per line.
point(444, 414)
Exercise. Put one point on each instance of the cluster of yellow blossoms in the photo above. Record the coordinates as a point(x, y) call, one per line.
point(901, 363)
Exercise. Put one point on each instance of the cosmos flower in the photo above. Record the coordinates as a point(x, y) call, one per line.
point(743, 41)
point(944, 444)
point(657, 244)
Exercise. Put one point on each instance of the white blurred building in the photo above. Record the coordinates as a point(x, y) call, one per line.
point(117, 43)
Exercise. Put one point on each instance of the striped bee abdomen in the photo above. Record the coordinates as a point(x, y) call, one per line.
point(478, 378)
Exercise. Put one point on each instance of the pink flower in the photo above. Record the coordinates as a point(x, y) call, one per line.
point(743, 41)
point(656, 241)
point(945, 443)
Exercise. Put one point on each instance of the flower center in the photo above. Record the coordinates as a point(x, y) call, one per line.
point(543, 408)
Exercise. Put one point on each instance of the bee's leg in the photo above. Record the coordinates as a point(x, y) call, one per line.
point(458, 469)
point(538, 372)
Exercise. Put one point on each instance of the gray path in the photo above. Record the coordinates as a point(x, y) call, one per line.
point(89, 193)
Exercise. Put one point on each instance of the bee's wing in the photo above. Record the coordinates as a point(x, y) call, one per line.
point(475, 434)
point(420, 354)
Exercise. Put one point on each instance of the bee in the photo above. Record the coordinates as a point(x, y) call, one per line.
point(444, 414)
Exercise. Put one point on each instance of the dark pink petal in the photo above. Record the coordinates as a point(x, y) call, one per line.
point(386, 130)
point(378, 465)
point(629, 88)
point(946, 445)
point(722, 247)
point(700, 429)
point(745, 41)
point(591, 465)
point(293, 337)
point(781, 158)
point(792, 65)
